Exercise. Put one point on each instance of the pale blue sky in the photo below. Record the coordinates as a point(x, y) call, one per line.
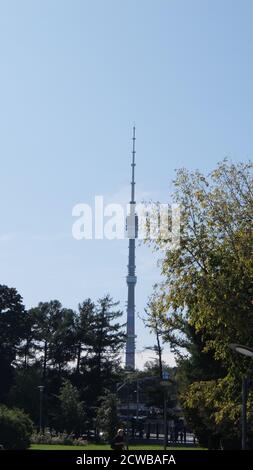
point(75, 75)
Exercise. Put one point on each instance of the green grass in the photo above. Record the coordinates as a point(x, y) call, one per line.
point(105, 447)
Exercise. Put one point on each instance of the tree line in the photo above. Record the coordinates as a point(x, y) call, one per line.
point(74, 355)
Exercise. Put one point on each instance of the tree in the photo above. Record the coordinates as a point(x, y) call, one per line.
point(108, 332)
point(107, 339)
point(15, 429)
point(84, 330)
point(24, 393)
point(101, 366)
point(107, 415)
point(49, 344)
point(12, 321)
point(53, 331)
point(72, 414)
point(62, 347)
point(207, 289)
point(154, 321)
point(26, 350)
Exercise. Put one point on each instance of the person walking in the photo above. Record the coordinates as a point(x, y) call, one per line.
point(118, 442)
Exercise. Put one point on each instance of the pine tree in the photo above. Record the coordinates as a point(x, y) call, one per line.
point(108, 337)
point(12, 333)
point(84, 320)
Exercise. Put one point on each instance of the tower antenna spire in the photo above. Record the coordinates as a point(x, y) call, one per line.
point(133, 168)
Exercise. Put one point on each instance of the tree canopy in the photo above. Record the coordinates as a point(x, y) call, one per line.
point(206, 292)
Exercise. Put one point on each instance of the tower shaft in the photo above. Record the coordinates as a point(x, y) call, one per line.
point(132, 223)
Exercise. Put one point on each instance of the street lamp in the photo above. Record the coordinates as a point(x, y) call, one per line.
point(165, 382)
point(248, 352)
point(41, 389)
point(241, 349)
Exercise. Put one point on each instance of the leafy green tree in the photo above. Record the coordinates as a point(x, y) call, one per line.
point(15, 428)
point(72, 413)
point(24, 393)
point(107, 415)
point(207, 291)
point(154, 321)
point(153, 390)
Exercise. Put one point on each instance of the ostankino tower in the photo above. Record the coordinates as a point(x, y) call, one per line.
point(132, 232)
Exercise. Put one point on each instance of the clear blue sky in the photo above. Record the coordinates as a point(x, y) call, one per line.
point(75, 75)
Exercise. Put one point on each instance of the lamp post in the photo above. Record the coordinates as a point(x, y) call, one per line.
point(41, 389)
point(165, 382)
point(137, 401)
point(248, 352)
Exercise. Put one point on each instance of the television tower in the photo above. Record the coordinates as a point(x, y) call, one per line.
point(132, 233)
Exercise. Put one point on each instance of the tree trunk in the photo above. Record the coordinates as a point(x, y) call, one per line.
point(159, 352)
point(45, 360)
point(78, 358)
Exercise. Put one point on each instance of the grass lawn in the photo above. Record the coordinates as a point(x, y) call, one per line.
point(105, 447)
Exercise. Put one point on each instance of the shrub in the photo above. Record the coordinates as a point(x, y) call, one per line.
point(15, 428)
point(59, 439)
